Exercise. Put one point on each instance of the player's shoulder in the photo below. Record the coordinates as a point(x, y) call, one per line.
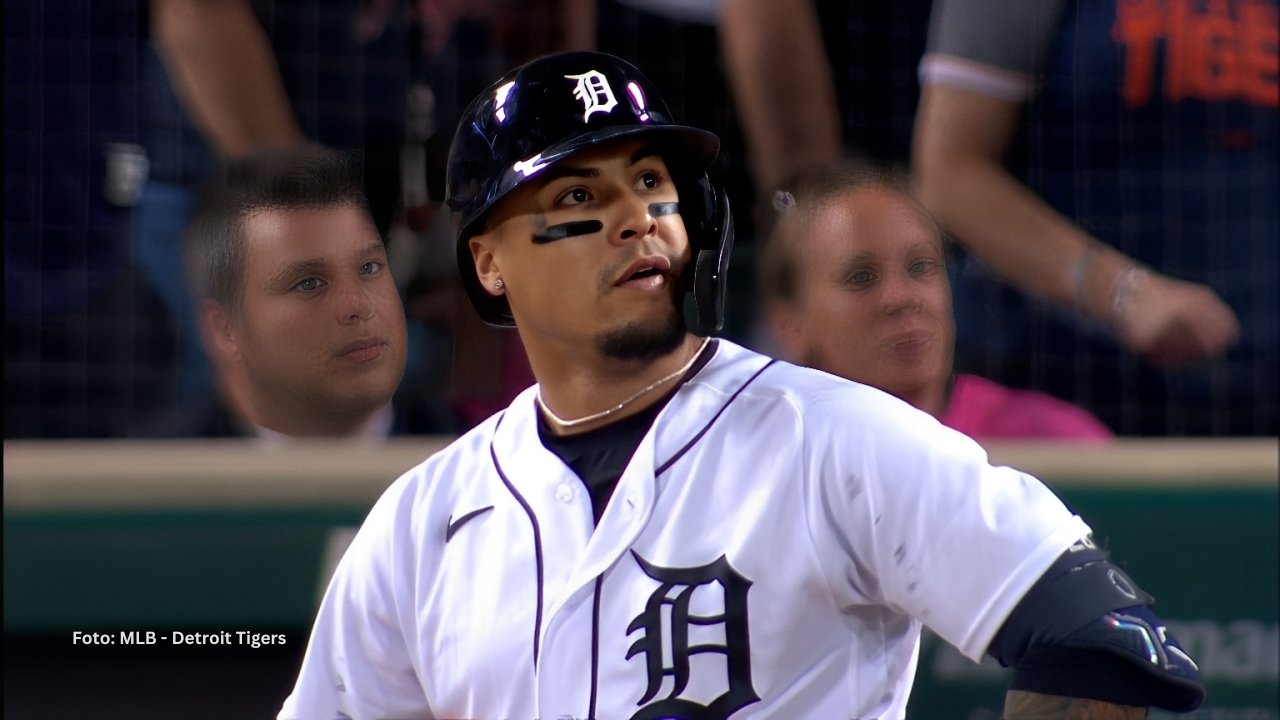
point(764, 378)
point(840, 428)
point(415, 510)
point(468, 449)
point(831, 414)
point(441, 472)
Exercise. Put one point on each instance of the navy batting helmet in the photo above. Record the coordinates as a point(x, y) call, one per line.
point(555, 106)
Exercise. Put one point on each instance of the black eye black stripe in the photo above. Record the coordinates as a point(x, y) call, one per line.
point(586, 227)
point(569, 229)
point(663, 208)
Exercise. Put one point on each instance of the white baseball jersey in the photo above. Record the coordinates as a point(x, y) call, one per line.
point(771, 551)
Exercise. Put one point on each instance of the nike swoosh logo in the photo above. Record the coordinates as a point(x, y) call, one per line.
point(455, 524)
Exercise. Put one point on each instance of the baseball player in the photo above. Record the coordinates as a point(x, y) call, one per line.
point(671, 526)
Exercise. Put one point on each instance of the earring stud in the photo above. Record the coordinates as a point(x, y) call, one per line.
point(498, 284)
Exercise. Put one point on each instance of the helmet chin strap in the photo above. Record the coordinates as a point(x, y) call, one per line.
point(704, 292)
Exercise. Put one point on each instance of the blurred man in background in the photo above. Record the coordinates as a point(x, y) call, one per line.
point(295, 300)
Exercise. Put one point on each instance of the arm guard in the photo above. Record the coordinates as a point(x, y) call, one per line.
point(1085, 629)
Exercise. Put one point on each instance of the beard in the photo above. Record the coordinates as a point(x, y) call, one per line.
point(637, 341)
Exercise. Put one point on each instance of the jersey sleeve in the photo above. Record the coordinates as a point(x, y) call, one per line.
point(993, 47)
point(929, 527)
point(357, 663)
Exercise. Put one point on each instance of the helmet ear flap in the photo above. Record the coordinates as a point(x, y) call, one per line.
point(710, 227)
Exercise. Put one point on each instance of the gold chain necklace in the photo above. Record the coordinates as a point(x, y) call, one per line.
point(562, 423)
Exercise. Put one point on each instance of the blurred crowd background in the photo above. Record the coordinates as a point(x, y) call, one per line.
point(117, 110)
point(1142, 130)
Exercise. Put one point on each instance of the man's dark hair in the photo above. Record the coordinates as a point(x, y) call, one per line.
point(805, 193)
point(302, 178)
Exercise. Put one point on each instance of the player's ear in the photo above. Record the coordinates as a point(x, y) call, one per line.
point(217, 331)
point(487, 269)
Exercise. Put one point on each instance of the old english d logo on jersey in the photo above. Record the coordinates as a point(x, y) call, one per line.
point(671, 602)
point(594, 92)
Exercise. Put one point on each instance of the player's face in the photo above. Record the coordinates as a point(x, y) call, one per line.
point(322, 329)
point(590, 252)
point(874, 300)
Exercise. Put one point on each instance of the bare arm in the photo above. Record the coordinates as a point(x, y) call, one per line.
point(225, 74)
point(1023, 705)
point(782, 86)
point(958, 151)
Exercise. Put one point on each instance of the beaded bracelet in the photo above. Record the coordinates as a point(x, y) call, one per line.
point(1129, 279)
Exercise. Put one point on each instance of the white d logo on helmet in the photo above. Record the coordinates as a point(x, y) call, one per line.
point(594, 92)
